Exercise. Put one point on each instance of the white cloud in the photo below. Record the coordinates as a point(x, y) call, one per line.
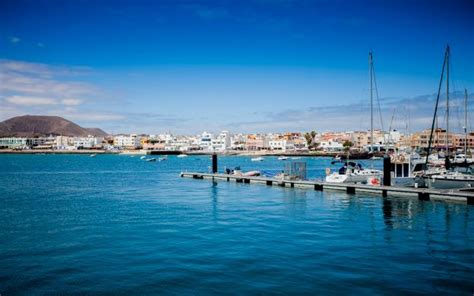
point(42, 70)
point(88, 116)
point(30, 101)
point(14, 39)
point(71, 102)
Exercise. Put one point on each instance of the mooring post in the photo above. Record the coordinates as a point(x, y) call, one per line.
point(470, 200)
point(387, 177)
point(214, 163)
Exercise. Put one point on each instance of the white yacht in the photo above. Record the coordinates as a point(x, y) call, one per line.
point(462, 158)
point(352, 172)
point(457, 179)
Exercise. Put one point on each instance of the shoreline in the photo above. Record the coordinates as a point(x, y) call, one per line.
point(142, 152)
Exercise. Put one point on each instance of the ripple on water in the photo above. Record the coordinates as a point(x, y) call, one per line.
point(118, 225)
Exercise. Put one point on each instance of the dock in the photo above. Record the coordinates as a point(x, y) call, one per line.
point(425, 194)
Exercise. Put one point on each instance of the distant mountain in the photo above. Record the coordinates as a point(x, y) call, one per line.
point(36, 125)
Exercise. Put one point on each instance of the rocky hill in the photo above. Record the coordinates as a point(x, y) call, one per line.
point(36, 125)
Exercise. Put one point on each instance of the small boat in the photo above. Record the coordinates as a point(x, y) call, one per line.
point(162, 159)
point(142, 157)
point(252, 173)
point(297, 157)
point(282, 158)
point(182, 155)
point(257, 159)
point(93, 155)
point(151, 159)
point(352, 172)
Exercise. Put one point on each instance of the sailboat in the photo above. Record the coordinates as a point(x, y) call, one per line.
point(446, 178)
point(352, 172)
point(462, 174)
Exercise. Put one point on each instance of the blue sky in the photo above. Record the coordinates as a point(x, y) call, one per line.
point(245, 66)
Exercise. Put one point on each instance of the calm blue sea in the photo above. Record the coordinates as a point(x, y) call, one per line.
point(72, 224)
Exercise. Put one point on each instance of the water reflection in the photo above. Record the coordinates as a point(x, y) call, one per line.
point(295, 201)
point(214, 194)
point(387, 213)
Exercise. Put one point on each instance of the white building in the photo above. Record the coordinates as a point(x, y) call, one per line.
point(12, 143)
point(88, 142)
point(237, 142)
point(64, 142)
point(331, 146)
point(205, 141)
point(278, 145)
point(221, 143)
point(393, 136)
point(127, 141)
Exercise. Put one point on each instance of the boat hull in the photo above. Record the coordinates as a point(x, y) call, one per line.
point(442, 183)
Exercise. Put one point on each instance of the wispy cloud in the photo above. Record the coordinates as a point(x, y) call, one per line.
point(35, 88)
point(30, 101)
point(415, 113)
point(14, 39)
point(207, 12)
point(71, 102)
point(42, 81)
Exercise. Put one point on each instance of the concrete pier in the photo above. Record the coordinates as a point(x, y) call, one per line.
point(463, 195)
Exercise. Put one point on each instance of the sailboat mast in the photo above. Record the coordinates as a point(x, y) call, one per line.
point(436, 110)
point(465, 122)
point(371, 105)
point(447, 101)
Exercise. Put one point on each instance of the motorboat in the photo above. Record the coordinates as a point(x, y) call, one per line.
point(93, 155)
point(257, 159)
point(462, 159)
point(162, 159)
point(151, 159)
point(282, 158)
point(182, 155)
point(352, 172)
point(142, 157)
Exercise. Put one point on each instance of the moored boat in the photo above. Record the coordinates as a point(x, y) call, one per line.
point(352, 172)
point(456, 179)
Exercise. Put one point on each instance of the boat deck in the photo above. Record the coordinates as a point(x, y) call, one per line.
point(464, 195)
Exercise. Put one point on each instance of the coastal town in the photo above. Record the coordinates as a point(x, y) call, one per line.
point(226, 142)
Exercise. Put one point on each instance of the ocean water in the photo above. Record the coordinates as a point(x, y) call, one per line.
point(72, 224)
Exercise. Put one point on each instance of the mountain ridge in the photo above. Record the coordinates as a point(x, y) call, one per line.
point(42, 125)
